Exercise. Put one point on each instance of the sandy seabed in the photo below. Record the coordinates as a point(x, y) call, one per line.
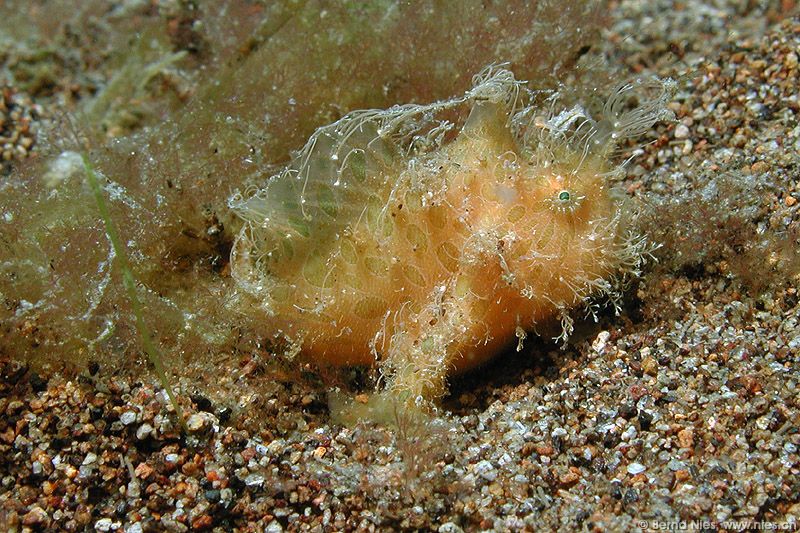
point(682, 411)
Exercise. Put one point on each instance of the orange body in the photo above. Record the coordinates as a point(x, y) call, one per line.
point(430, 260)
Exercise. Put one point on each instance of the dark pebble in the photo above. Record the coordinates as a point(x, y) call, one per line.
point(224, 414)
point(579, 460)
point(95, 494)
point(645, 419)
point(628, 411)
point(611, 439)
point(202, 403)
point(37, 383)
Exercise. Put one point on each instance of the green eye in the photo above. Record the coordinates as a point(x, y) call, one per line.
point(564, 201)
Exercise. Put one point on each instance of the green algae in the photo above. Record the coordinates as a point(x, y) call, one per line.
point(128, 280)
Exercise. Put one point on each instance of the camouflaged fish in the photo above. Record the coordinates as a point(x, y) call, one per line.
point(428, 238)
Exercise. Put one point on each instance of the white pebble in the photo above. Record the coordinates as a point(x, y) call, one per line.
point(635, 468)
point(274, 527)
point(144, 431)
point(254, 480)
point(486, 470)
point(105, 524)
point(599, 343)
point(629, 433)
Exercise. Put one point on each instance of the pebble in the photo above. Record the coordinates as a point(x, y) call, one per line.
point(274, 527)
point(570, 478)
point(629, 434)
point(686, 438)
point(486, 470)
point(143, 471)
point(599, 343)
point(650, 366)
point(681, 131)
point(144, 431)
point(255, 479)
point(201, 421)
point(106, 524)
point(35, 516)
point(636, 468)
point(127, 418)
point(676, 465)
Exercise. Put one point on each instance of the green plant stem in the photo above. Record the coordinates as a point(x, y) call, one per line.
point(130, 286)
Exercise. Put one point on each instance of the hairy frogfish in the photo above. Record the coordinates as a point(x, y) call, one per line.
point(427, 239)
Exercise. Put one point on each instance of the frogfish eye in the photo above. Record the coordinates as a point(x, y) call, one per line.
point(564, 201)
